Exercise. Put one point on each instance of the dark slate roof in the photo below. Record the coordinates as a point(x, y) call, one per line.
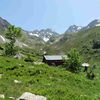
point(55, 57)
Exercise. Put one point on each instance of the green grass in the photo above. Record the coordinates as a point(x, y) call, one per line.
point(53, 82)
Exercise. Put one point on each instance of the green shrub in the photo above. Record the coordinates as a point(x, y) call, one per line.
point(96, 44)
point(28, 59)
point(74, 61)
point(11, 34)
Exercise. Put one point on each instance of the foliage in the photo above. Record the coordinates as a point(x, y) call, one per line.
point(90, 73)
point(9, 49)
point(53, 82)
point(74, 61)
point(96, 44)
point(11, 34)
point(83, 41)
point(28, 59)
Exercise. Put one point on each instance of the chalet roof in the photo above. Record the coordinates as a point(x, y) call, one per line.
point(55, 57)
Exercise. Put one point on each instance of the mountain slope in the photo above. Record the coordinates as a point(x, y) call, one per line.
point(94, 23)
point(55, 83)
point(73, 29)
point(35, 39)
point(3, 25)
point(44, 34)
point(46, 40)
point(86, 41)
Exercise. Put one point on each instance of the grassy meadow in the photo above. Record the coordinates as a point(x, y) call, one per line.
point(55, 83)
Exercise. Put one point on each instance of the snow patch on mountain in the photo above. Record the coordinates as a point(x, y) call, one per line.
point(97, 24)
point(36, 35)
point(3, 39)
point(30, 33)
point(79, 28)
point(46, 39)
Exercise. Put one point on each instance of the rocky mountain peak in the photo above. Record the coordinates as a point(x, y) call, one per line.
point(44, 34)
point(3, 24)
point(94, 23)
point(73, 29)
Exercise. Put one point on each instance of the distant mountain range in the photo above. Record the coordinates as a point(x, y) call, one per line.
point(87, 42)
point(74, 28)
point(44, 34)
point(40, 38)
point(47, 34)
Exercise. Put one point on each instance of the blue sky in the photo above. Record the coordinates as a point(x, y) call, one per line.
point(55, 14)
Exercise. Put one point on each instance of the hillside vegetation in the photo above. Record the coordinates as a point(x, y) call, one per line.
point(87, 42)
point(29, 74)
point(55, 83)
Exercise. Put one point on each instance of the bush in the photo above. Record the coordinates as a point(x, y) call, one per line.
point(9, 49)
point(96, 44)
point(28, 59)
point(91, 74)
point(74, 61)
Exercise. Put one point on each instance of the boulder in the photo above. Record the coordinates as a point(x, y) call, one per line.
point(12, 98)
point(19, 56)
point(17, 82)
point(30, 96)
point(2, 96)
